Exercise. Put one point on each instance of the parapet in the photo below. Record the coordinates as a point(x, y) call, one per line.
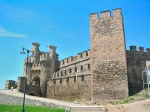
point(133, 48)
point(44, 57)
point(117, 12)
point(140, 49)
point(107, 13)
point(94, 15)
point(80, 56)
point(148, 50)
point(35, 44)
point(52, 47)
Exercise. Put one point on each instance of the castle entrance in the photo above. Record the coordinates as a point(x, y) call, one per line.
point(36, 81)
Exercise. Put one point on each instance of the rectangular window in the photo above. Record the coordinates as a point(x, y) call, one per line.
point(70, 70)
point(75, 69)
point(61, 73)
point(67, 79)
point(86, 53)
point(71, 58)
point(81, 68)
point(75, 79)
point(88, 66)
point(81, 55)
point(82, 78)
point(60, 80)
point(54, 81)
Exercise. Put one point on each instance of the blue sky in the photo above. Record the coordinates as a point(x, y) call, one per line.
point(63, 23)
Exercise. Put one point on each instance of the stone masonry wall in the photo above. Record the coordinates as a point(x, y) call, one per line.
point(74, 88)
point(73, 80)
point(136, 63)
point(99, 74)
point(108, 56)
point(15, 100)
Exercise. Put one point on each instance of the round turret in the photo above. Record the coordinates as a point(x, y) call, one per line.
point(36, 52)
point(52, 51)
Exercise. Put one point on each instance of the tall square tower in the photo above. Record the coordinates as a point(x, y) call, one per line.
point(108, 56)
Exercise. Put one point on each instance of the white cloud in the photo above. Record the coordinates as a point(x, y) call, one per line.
point(6, 33)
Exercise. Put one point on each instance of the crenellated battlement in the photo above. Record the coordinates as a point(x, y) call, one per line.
point(52, 47)
point(36, 67)
point(98, 74)
point(106, 14)
point(67, 78)
point(133, 49)
point(73, 59)
point(148, 50)
point(44, 57)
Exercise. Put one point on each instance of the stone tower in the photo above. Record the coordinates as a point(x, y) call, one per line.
point(54, 58)
point(48, 63)
point(36, 52)
point(108, 56)
point(45, 73)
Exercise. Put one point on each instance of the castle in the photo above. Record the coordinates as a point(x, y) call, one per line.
point(105, 72)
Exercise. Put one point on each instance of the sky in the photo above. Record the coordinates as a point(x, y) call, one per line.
point(63, 23)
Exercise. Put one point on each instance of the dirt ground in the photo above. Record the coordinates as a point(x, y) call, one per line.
point(139, 106)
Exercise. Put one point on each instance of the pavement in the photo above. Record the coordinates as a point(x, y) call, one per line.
point(57, 102)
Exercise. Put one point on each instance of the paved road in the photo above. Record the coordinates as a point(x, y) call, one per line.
point(57, 102)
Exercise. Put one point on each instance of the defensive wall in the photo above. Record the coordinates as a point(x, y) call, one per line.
point(136, 63)
point(107, 71)
point(72, 81)
point(108, 56)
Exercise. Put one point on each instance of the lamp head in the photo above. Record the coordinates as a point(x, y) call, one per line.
point(22, 52)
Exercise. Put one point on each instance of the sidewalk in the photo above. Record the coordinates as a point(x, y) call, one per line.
point(56, 102)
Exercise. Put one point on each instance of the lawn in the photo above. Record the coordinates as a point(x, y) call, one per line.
point(18, 108)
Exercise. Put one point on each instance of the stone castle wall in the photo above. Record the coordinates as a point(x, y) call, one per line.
point(105, 72)
point(10, 83)
point(72, 81)
point(70, 88)
point(108, 56)
point(136, 63)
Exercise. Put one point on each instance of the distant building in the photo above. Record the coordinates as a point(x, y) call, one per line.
point(10, 83)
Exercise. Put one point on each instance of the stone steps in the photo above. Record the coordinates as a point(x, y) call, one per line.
point(86, 109)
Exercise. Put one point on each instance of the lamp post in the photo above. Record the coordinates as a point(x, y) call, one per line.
point(23, 52)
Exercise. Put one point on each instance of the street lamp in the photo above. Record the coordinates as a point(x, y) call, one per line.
point(23, 52)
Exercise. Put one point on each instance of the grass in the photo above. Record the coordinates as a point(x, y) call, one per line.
point(18, 108)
